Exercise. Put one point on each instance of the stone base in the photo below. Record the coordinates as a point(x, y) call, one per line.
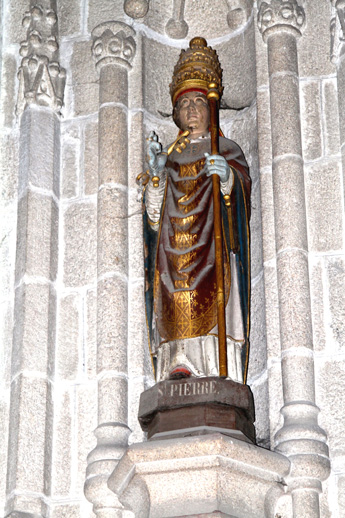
point(197, 406)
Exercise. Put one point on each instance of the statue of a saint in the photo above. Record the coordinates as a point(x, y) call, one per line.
point(180, 257)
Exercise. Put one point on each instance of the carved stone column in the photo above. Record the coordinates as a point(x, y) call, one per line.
point(114, 49)
point(300, 438)
point(41, 85)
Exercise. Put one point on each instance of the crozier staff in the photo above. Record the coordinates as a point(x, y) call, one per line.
point(180, 257)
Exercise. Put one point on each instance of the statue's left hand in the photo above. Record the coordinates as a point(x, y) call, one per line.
point(216, 164)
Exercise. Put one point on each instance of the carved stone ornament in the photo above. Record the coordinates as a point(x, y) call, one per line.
point(176, 26)
point(41, 79)
point(337, 29)
point(280, 13)
point(239, 12)
point(136, 8)
point(113, 43)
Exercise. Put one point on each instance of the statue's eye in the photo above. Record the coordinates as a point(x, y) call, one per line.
point(200, 101)
point(184, 103)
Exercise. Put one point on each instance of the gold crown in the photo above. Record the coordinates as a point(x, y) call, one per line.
point(197, 67)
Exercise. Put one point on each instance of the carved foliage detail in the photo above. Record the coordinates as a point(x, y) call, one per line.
point(113, 43)
point(280, 12)
point(41, 79)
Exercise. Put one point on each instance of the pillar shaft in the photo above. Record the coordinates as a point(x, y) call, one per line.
point(113, 63)
point(31, 413)
point(300, 438)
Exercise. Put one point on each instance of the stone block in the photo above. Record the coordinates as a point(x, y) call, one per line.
point(264, 128)
point(112, 334)
point(256, 252)
point(70, 16)
point(84, 78)
point(261, 404)
point(113, 397)
point(70, 163)
point(6, 338)
point(159, 61)
point(8, 218)
point(135, 244)
point(341, 100)
point(139, 359)
point(63, 446)
point(330, 398)
point(103, 11)
point(261, 58)
point(136, 153)
point(324, 206)
point(86, 423)
point(341, 494)
point(165, 129)
point(267, 215)
point(289, 204)
point(257, 355)
point(313, 46)
point(15, 32)
point(31, 328)
point(136, 388)
point(80, 244)
point(112, 231)
point(91, 158)
point(66, 511)
point(331, 135)
point(4, 419)
point(311, 119)
point(294, 299)
point(9, 94)
point(9, 161)
point(113, 145)
point(39, 149)
point(318, 295)
point(69, 339)
point(27, 438)
point(36, 220)
point(335, 268)
point(237, 58)
point(90, 331)
point(275, 399)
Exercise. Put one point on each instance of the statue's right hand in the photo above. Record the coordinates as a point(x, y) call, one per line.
point(156, 159)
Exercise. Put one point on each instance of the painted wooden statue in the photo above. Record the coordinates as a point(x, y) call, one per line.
point(197, 266)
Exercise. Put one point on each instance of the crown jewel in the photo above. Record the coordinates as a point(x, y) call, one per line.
point(197, 67)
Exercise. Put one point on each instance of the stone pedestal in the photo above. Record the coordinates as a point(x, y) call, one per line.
point(197, 406)
point(199, 476)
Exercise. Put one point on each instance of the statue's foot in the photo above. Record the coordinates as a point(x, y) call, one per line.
point(179, 373)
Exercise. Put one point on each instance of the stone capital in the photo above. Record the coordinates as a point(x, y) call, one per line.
point(41, 79)
point(278, 14)
point(113, 44)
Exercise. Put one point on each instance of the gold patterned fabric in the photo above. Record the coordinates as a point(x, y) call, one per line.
point(185, 301)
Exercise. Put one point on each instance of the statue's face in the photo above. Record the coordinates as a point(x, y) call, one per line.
point(192, 113)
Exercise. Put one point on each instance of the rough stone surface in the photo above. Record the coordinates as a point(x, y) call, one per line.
point(336, 278)
point(112, 325)
point(112, 231)
point(311, 120)
point(84, 79)
point(324, 206)
point(331, 118)
point(69, 339)
point(104, 10)
point(91, 158)
point(80, 244)
point(61, 478)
